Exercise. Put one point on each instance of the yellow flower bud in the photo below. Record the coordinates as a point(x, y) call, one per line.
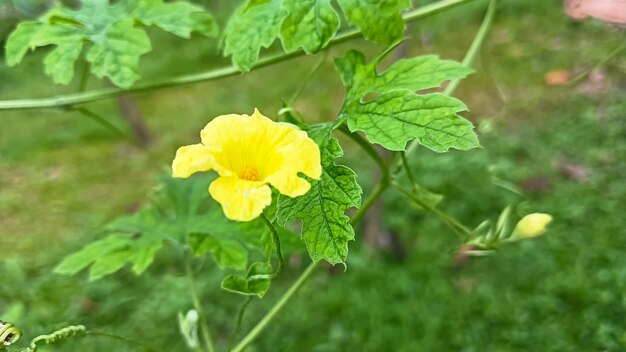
point(531, 225)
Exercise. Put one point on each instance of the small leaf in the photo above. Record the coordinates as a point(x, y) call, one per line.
point(116, 54)
point(326, 230)
point(394, 118)
point(251, 28)
point(76, 262)
point(311, 24)
point(380, 21)
point(256, 282)
point(228, 253)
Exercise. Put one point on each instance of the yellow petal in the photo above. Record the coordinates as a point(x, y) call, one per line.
point(289, 184)
point(238, 142)
point(278, 152)
point(299, 154)
point(224, 130)
point(241, 200)
point(191, 159)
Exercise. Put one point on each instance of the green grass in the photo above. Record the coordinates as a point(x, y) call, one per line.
point(62, 176)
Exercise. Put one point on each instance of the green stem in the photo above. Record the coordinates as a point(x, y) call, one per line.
point(242, 311)
point(451, 222)
point(408, 171)
point(262, 324)
point(276, 241)
point(367, 148)
point(599, 64)
point(461, 230)
point(469, 58)
point(204, 328)
point(101, 94)
point(102, 121)
point(307, 79)
point(381, 186)
point(84, 78)
point(477, 44)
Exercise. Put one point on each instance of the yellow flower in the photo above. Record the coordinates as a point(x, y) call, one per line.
point(531, 225)
point(248, 153)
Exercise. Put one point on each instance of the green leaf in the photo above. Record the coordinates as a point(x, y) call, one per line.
point(181, 211)
point(380, 21)
point(179, 18)
point(20, 40)
point(256, 282)
point(311, 24)
point(228, 253)
point(252, 27)
point(109, 30)
point(111, 254)
point(397, 115)
point(418, 73)
point(393, 119)
point(116, 53)
point(186, 214)
point(326, 229)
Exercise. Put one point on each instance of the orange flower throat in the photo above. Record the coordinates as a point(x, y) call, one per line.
point(249, 172)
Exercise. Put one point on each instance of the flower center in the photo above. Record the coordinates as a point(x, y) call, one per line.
point(249, 172)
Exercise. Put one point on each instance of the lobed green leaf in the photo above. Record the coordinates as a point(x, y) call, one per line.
point(111, 254)
point(393, 119)
point(181, 211)
point(326, 229)
point(109, 30)
point(397, 115)
point(78, 261)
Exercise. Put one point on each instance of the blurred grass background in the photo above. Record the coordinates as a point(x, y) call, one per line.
point(62, 176)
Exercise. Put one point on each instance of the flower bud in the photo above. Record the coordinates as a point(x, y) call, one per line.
point(531, 225)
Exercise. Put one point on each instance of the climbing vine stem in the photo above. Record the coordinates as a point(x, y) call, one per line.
point(229, 71)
